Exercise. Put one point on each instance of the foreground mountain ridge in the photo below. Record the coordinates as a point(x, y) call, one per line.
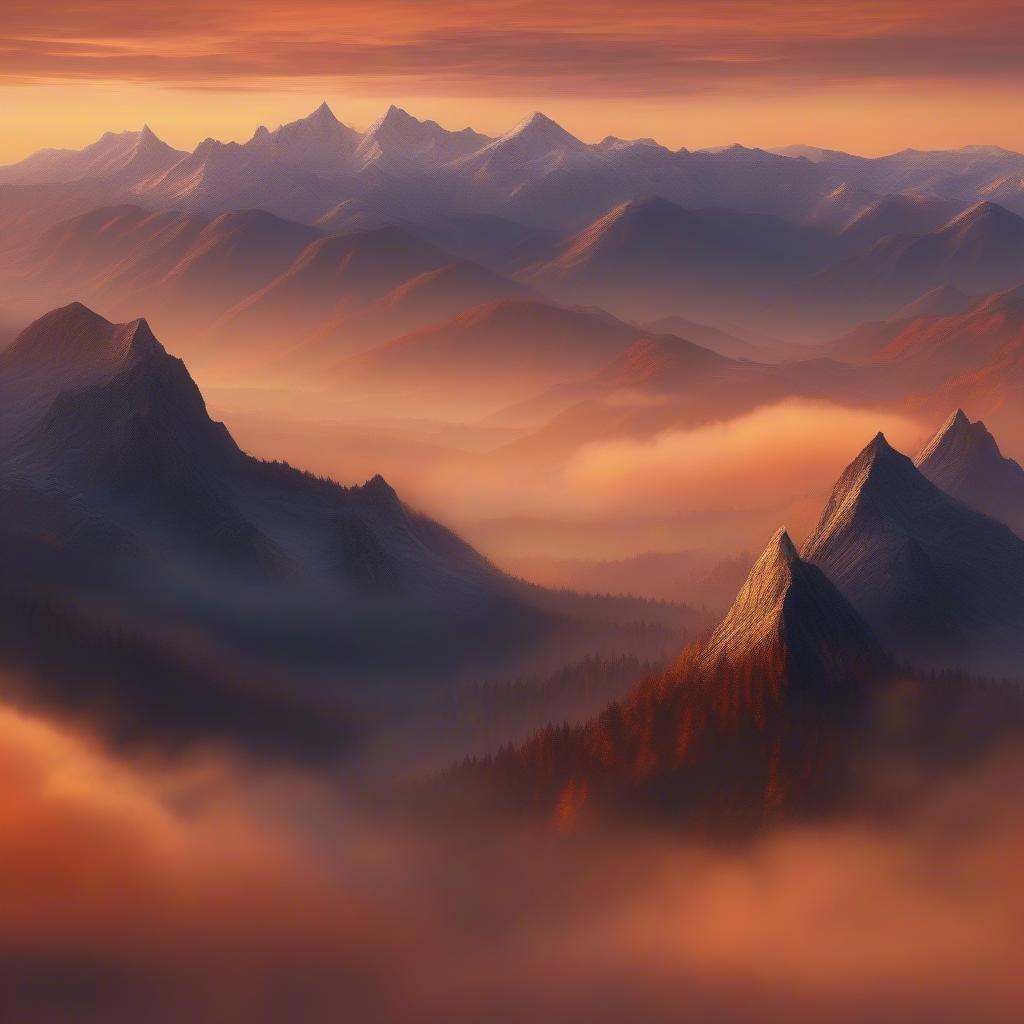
point(940, 584)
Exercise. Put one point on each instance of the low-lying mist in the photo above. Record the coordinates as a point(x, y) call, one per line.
point(209, 889)
point(719, 488)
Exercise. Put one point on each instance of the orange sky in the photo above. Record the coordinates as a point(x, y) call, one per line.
point(864, 75)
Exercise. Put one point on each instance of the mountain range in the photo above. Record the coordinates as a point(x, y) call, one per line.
point(793, 704)
point(799, 245)
point(536, 172)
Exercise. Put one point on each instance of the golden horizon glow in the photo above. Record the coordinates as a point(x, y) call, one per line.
point(864, 76)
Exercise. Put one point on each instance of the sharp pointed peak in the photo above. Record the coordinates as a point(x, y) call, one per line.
point(540, 125)
point(878, 452)
point(958, 424)
point(379, 490)
point(538, 117)
point(958, 419)
point(960, 435)
point(323, 113)
point(781, 547)
point(789, 621)
point(394, 115)
point(143, 340)
point(878, 447)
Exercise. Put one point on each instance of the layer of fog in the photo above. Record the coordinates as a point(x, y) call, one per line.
point(712, 492)
point(212, 890)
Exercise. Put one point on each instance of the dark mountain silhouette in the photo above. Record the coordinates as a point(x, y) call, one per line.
point(965, 461)
point(940, 584)
point(118, 488)
point(126, 444)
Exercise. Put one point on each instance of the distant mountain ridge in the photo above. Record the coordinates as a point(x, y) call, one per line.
point(537, 172)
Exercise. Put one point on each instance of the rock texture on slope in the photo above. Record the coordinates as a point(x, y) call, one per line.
point(753, 726)
point(964, 459)
point(790, 623)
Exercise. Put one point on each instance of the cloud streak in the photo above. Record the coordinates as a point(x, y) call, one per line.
point(512, 48)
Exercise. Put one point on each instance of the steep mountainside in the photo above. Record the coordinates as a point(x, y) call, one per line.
point(750, 727)
point(965, 461)
point(940, 584)
point(116, 467)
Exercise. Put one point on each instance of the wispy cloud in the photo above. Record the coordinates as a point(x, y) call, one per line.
point(511, 46)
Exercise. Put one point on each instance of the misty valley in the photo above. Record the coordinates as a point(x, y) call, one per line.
point(496, 578)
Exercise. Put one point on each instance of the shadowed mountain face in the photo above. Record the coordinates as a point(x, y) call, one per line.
point(751, 726)
point(964, 460)
point(653, 255)
point(117, 481)
point(940, 584)
point(981, 249)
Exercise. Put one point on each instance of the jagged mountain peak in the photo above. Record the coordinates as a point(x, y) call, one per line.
point(880, 489)
point(964, 460)
point(789, 624)
point(939, 582)
point(143, 416)
point(956, 427)
point(396, 115)
point(540, 130)
point(879, 468)
point(958, 438)
point(73, 339)
point(323, 115)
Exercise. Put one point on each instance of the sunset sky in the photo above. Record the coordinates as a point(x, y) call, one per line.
point(865, 75)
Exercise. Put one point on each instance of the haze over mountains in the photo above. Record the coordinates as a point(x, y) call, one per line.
point(531, 296)
point(654, 232)
point(819, 672)
point(124, 501)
